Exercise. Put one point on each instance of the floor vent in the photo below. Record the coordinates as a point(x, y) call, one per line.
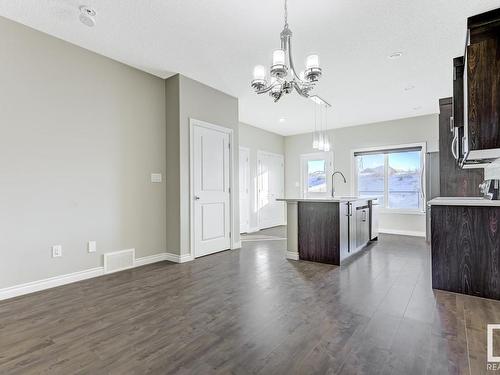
point(119, 260)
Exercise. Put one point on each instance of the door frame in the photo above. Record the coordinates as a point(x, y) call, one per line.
point(248, 175)
point(259, 154)
point(192, 123)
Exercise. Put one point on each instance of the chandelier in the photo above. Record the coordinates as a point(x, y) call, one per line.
point(284, 78)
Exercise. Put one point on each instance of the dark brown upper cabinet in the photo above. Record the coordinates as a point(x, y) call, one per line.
point(481, 140)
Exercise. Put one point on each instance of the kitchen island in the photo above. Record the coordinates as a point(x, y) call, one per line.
point(329, 230)
point(465, 245)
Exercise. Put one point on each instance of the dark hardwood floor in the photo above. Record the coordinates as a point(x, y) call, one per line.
point(252, 311)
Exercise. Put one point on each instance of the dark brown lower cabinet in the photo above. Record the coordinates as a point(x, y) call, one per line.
point(466, 250)
point(318, 232)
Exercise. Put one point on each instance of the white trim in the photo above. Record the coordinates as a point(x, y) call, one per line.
point(234, 229)
point(150, 259)
point(178, 258)
point(292, 255)
point(248, 187)
point(236, 245)
point(412, 233)
point(51, 282)
point(253, 230)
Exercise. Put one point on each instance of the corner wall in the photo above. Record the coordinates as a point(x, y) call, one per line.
point(186, 99)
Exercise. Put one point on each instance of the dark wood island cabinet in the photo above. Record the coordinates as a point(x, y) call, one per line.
point(466, 246)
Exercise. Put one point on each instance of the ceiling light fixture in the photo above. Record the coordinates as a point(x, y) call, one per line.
point(284, 78)
point(395, 55)
point(87, 15)
point(321, 140)
point(282, 120)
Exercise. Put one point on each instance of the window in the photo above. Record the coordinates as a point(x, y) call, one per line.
point(315, 169)
point(393, 175)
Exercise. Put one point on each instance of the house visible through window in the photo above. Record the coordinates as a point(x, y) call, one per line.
point(394, 175)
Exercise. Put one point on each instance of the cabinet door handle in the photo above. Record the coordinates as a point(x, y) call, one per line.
point(454, 142)
point(452, 124)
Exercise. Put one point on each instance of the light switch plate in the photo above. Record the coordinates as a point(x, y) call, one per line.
point(56, 251)
point(156, 177)
point(92, 246)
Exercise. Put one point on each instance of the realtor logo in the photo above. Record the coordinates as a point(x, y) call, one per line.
point(493, 361)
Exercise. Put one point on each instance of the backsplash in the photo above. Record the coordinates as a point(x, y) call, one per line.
point(492, 171)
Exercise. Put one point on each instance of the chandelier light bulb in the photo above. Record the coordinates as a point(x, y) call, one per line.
point(278, 57)
point(312, 62)
point(327, 144)
point(259, 73)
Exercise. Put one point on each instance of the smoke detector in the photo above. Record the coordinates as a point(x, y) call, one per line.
point(87, 15)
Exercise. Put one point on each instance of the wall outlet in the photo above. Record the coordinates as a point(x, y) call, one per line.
point(56, 251)
point(156, 177)
point(92, 246)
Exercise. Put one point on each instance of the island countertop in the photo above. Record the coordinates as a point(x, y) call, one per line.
point(463, 201)
point(328, 199)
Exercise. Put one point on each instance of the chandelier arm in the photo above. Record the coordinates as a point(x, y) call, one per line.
point(288, 42)
point(268, 88)
point(299, 89)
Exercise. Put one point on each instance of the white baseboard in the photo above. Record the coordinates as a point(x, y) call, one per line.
point(150, 259)
point(52, 282)
point(236, 245)
point(253, 230)
point(292, 255)
point(412, 233)
point(178, 258)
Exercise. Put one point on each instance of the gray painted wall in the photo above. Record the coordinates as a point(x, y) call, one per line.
point(80, 135)
point(256, 139)
point(410, 130)
point(187, 98)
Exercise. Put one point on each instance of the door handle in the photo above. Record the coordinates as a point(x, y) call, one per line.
point(196, 198)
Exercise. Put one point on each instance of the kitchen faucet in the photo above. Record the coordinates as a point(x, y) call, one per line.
point(333, 185)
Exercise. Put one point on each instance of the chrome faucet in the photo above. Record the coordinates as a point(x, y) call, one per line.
point(333, 185)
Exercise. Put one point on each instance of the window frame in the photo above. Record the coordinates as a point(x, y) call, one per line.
point(408, 211)
point(304, 158)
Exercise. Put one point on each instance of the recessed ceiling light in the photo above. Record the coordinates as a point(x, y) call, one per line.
point(282, 119)
point(87, 15)
point(409, 87)
point(395, 55)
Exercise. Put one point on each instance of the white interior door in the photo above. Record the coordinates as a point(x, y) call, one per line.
point(211, 193)
point(244, 189)
point(271, 176)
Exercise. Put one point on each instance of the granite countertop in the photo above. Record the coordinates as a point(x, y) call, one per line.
point(463, 201)
point(328, 199)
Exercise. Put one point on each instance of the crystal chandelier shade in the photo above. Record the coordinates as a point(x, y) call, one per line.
point(283, 77)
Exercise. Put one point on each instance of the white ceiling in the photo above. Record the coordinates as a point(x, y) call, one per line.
point(218, 42)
